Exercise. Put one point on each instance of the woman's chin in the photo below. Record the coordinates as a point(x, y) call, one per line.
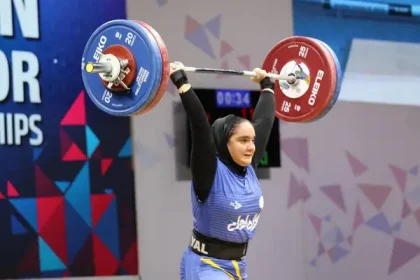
point(245, 161)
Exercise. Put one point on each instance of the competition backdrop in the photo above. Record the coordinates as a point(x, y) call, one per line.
point(66, 182)
point(346, 202)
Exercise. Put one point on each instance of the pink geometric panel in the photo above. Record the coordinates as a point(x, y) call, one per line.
point(377, 194)
point(74, 153)
point(316, 223)
point(105, 164)
point(297, 191)
point(294, 191)
point(406, 209)
point(357, 167)
point(11, 190)
point(417, 216)
point(76, 115)
point(297, 150)
point(358, 217)
point(335, 194)
point(400, 176)
point(245, 61)
point(402, 253)
point(225, 48)
point(191, 25)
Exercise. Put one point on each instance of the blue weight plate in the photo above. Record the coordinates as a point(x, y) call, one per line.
point(338, 79)
point(143, 47)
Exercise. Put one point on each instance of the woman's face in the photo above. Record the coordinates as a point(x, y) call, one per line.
point(241, 144)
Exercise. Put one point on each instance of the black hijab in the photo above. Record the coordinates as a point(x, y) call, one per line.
point(220, 130)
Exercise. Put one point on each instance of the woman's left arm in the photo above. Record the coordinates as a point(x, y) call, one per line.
point(263, 118)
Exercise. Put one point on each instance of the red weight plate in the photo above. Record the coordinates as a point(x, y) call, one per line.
point(165, 68)
point(311, 95)
point(338, 79)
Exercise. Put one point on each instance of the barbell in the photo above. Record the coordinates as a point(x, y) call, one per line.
point(125, 71)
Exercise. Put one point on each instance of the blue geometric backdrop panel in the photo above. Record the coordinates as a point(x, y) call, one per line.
point(67, 203)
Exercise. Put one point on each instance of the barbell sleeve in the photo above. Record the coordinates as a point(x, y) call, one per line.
point(99, 67)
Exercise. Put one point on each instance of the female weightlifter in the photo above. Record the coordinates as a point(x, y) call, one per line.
point(226, 194)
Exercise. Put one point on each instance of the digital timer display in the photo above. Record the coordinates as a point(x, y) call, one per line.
point(233, 98)
point(219, 103)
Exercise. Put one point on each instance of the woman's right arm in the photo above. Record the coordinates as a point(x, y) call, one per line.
point(203, 152)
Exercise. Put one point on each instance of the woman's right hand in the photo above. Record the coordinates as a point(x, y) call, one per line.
point(175, 66)
point(177, 75)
